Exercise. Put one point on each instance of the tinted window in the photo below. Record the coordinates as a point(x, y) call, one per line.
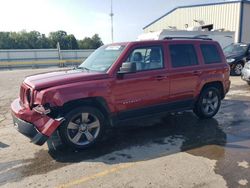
point(183, 55)
point(210, 53)
point(147, 58)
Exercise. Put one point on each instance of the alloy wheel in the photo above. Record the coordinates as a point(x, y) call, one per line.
point(83, 129)
point(238, 68)
point(210, 102)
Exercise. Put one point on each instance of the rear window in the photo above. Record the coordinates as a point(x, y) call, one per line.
point(183, 55)
point(210, 53)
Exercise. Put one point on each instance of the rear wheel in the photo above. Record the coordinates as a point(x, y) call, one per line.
point(208, 103)
point(83, 127)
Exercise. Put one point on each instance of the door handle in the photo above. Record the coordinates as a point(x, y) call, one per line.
point(160, 77)
point(197, 73)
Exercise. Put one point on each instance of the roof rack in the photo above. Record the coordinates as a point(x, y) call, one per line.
point(190, 38)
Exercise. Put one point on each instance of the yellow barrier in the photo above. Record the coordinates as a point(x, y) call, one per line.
point(59, 62)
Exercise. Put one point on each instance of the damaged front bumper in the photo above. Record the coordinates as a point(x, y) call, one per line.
point(29, 131)
point(33, 125)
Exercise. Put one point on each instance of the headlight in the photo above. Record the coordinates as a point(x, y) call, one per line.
point(230, 60)
point(29, 95)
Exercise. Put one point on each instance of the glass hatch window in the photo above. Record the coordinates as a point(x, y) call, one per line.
point(210, 53)
point(235, 49)
point(103, 58)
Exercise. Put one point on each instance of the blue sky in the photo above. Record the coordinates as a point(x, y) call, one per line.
point(86, 17)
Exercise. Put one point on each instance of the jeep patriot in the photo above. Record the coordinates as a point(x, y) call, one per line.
point(119, 82)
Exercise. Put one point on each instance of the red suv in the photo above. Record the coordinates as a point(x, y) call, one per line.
point(119, 82)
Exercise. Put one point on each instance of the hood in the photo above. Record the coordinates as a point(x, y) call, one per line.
point(235, 56)
point(51, 79)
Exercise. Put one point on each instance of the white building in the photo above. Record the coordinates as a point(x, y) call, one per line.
point(226, 16)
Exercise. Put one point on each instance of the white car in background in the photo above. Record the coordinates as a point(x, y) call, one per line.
point(246, 73)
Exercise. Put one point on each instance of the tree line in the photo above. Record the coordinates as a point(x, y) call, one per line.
point(36, 40)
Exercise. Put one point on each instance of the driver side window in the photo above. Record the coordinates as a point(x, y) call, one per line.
point(149, 58)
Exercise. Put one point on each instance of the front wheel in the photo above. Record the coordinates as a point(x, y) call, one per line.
point(208, 103)
point(237, 69)
point(82, 128)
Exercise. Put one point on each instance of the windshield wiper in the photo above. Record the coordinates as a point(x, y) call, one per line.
point(83, 68)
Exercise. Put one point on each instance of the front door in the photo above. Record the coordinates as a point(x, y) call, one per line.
point(135, 93)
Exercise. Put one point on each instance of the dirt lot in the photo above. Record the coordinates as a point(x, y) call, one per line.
point(177, 151)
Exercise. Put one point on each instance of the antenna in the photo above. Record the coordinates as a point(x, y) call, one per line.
point(112, 27)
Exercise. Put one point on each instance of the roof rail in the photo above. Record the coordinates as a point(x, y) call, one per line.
point(190, 38)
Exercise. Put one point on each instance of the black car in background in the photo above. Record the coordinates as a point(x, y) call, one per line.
point(237, 55)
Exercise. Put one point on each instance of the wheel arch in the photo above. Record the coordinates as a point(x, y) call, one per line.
point(97, 102)
point(216, 84)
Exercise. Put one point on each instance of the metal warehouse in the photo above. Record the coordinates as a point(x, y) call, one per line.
point(225, 16)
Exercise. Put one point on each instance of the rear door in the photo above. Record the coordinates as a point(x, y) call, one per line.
point(185, 70)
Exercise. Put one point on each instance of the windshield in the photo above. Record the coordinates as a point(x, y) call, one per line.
point(103, 58)
point(235, 49)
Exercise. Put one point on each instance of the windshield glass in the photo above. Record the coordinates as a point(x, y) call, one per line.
point(235, 49)
point(103, 58)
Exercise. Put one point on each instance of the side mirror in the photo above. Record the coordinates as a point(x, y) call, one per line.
point(127, 67)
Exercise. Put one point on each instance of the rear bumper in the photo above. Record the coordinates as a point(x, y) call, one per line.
point(33, 125)
point(29, 130)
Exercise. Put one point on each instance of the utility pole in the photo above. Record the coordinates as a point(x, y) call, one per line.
point(112, 27)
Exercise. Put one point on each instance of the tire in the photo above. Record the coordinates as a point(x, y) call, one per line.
point(54, 142)
point(82, 128)
point(237, 69)
point(208, 103)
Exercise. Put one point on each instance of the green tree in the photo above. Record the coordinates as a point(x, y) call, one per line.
point(31, 40)
point(59, 36)
point(20, 40)
point(71, 42)
point(6, 42)
point(90, 43)
point(96, 41)
point(36, 40)
point(46, 42)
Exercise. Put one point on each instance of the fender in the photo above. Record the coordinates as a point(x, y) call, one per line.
point(209, 78)
point(60, 95)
